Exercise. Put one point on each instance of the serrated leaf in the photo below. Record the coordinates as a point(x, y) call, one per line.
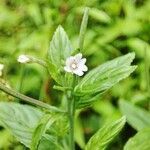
point(60, 49)
point(141, 141)
point(106, 75)
point(101, 139)
point(20, 120)
point(137, 117)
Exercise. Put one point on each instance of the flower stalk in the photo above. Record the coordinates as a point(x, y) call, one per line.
point(28, 99)
point(30, 59)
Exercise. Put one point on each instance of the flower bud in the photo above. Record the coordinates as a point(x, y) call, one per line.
point(23, 59)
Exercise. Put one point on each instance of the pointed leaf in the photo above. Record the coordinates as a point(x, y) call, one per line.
point(101, 139)
point(106, 75)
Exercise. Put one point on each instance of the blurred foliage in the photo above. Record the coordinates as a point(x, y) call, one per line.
point(115, 27)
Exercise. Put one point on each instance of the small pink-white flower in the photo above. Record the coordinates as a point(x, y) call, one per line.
point(76, 65)
point(23, 59)
point(1, 69)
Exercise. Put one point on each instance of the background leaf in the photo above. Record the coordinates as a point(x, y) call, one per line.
point(20, 120)
point(137, 117)
point(140, 141)
point(101, 139)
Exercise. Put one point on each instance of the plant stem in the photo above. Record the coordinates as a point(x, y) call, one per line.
point(28, 99)
point(71, 111)
point(21, 77)
point(38, 61)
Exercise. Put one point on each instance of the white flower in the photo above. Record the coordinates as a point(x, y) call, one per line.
point(76, 64)
point(23, 59)
point(1, 69)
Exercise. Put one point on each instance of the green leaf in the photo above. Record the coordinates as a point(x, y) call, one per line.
point(139, 46)
point(141, 141)
point(137, 117)
point(54, 72)
point(96, 14)
point(106, 75)
point(50, 128)
point(44, 144)
point(47, 142)
point(83, 28)
point(101, 139)
point(46, 121)
point(20, 120)
point(86, 101)
point(60, 49)
point(100, 15)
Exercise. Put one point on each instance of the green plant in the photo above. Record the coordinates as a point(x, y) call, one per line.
point(53, 127)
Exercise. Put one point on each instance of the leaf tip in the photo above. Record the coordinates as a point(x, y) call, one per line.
point(123, 119)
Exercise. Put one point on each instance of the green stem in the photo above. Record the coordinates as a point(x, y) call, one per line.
point(28, 99)
point(71, 111)
point(21, 76)
point(38, 61)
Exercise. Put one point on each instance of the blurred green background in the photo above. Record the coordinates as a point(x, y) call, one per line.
point(115, 27)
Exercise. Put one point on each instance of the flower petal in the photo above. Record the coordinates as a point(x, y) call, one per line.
point(85, 68)
point(83, 61)
point(78, 72)
point(69, 60)
point(67, 69)
point(78, 57)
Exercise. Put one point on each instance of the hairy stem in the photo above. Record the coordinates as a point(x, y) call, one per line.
point(28, 99)
point(71, 110)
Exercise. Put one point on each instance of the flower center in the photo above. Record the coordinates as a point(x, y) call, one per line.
point(73, 65)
